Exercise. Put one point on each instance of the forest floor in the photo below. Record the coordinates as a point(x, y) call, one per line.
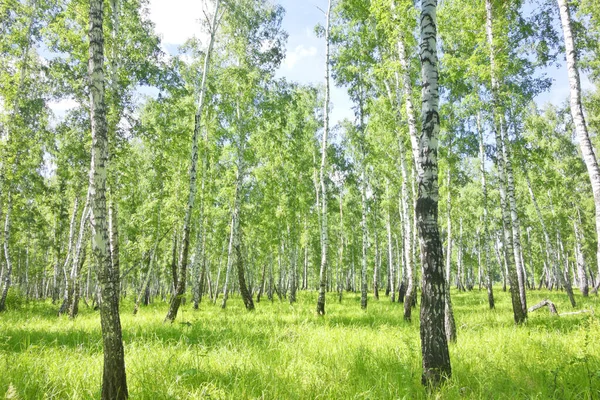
point(283, 351)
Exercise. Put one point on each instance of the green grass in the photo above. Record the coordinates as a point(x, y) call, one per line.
point(287, 352)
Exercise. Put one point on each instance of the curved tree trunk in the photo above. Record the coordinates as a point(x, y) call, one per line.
point(587, 150)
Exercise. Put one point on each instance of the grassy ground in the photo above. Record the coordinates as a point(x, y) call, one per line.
point(287, 352)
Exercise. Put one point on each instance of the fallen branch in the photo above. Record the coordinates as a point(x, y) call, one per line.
point(544, 303)
point(579, 312)
point(553, 310)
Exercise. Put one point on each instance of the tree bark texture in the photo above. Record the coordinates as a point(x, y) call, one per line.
point(434, 344)
point(519, 313)
point(587, 150)
point(114, 382)
point(324, 237)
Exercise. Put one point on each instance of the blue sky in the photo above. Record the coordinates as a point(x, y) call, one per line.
point(305, 53)
point(178, 20)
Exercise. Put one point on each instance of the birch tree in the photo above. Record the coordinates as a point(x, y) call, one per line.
point(114, 382)
point(183, 257)
point(434, 345)
point(322, 176)
point(585, 144)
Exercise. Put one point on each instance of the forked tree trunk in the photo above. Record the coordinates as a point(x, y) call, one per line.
point(587, 150)
point(434, 345)
point(114, 383)
point(67, 289)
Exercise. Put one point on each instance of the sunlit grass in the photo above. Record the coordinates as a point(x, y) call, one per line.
point(287, 352)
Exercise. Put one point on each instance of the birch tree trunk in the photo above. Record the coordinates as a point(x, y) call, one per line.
point(434, 345)
point(67, 289)
point(587, 150)
point(486, 233)
point(293, 273)
point(363, 229)
point(406, 286)
point(114, 382)
point(7, 276)
point(324, 238)
point(78, 259)
point(391, 269)
point(229, 264)
point(341, 251)
point(376, 267)
point(579, 258)
point(553, 256)
point(519, 313)
point(449, 323)
point(514, 217)
point(152, 259)
point(410, 245)
point(183, 257)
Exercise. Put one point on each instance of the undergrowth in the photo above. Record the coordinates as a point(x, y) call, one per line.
point(283, 351)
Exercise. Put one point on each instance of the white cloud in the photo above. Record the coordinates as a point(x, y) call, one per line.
point(61, 106)
point(292, 57)
point(178, 20)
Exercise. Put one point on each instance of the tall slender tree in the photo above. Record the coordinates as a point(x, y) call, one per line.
point(322, 172)
point(434, 345)
point(183, 257)
point(114, 382)
point(587, 150)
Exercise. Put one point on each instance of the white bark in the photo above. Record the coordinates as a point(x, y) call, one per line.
point(324, 238)
point(180, 290)
point(434, 345)
point(520, 312)
point(587, 150)
point(579, 258)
